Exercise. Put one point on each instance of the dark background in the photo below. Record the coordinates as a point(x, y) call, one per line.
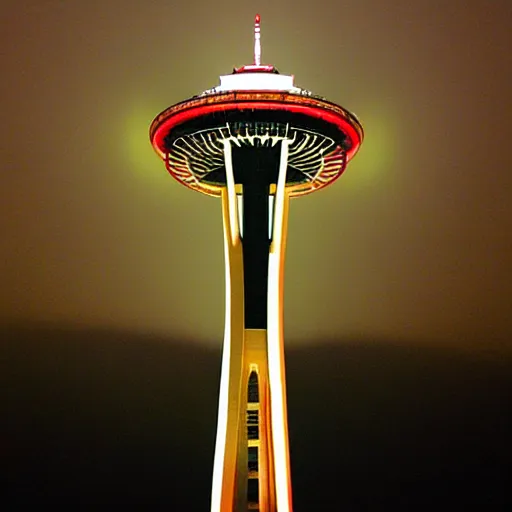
point(97, 418)
point(398, 286)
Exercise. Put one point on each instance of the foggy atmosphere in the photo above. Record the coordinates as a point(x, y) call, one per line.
point(398, 288)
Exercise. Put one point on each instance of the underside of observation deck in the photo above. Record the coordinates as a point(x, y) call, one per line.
point(190, 137)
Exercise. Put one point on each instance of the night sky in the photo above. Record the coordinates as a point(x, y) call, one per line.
point(398, 311)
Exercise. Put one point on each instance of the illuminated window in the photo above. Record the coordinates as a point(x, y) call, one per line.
point(252, 417)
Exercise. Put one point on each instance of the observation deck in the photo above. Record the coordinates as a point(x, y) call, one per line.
point(190, 136)
point(256, 107)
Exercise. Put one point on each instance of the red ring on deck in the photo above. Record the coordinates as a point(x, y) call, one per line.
point(229, 101)
point(169, 119)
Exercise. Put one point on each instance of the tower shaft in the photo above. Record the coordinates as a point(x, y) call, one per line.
point(251, 466)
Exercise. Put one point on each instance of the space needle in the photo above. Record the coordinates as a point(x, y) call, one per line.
point(256, 140)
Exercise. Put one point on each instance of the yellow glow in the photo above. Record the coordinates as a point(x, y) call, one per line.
point(380, 150)
point(133, 144)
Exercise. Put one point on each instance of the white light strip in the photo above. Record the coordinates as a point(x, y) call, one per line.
point(275, 343)
point(222, 419)
point(270, 215)
point(231, 237)
point(256, 81)
point(257, 41)
point(230, 186)
point(240, 203)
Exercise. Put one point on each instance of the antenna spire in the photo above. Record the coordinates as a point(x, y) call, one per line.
point(257, 42)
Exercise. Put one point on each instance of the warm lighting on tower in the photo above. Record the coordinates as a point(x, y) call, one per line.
point(256, 140)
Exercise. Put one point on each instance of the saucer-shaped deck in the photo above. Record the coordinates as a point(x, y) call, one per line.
point(191, 137)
